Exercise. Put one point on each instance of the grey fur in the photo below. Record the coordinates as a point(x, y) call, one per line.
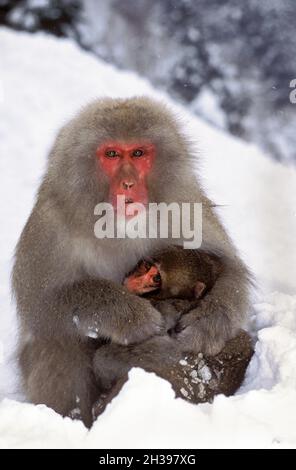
point(67, 283)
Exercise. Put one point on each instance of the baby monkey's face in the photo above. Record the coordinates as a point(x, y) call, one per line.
point(150, 277)
point(144, 278)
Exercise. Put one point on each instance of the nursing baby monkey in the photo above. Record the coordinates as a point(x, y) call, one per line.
point(174, 274)
point(173, 280)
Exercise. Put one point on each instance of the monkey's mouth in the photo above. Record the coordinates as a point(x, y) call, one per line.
point(129, 200)
point(131, 205)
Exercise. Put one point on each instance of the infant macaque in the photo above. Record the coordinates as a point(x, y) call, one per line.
point(174, 274)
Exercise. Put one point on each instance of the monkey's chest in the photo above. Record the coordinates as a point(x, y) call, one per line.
point(114, 261)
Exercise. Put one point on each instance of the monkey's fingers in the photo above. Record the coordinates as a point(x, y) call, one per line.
point(199, 332)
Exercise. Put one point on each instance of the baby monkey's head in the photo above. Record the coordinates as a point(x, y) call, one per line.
point(175, 272)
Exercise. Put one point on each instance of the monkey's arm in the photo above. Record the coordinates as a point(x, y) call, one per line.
point(100, 308)
point(96, 309)
point(225, 308)
point(56, 298)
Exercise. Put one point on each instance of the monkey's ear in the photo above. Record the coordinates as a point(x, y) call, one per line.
point(199, 289)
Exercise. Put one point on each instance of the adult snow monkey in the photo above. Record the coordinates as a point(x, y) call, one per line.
point(67, 282)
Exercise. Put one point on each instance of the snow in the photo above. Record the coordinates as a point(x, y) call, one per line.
point(43, 82)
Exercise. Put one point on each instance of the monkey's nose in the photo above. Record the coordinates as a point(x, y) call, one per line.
point(127, 184)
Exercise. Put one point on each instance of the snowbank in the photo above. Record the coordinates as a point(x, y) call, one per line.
point(43, 82)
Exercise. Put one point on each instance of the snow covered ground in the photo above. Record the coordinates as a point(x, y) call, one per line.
point(43, 81)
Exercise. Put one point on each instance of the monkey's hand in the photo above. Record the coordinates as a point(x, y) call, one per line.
point(205, 329)
point(172, 309)
point(116, 314)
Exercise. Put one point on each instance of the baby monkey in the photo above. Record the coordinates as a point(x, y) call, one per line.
point(174, 273)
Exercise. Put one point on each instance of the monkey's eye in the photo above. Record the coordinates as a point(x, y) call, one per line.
point(157, 278)
point(111, 153)
point(138, 153)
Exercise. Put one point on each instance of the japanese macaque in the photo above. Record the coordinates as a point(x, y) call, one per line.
point(67, 282)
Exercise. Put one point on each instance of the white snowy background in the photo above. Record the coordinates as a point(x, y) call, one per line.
point(43, 82)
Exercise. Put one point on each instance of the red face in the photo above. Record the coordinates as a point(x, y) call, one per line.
point(127, 166)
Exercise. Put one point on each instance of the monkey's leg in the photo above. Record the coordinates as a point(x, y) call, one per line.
point(61, 377)
point(113, 361)
point(193, 376)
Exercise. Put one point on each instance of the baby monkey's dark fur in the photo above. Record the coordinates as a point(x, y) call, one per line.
point(180, 274)
point(185, 274)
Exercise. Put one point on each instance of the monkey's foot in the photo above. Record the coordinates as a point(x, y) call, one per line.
point(145, 278)
point(100, 405)
point(106, 398)
point(198, 378)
